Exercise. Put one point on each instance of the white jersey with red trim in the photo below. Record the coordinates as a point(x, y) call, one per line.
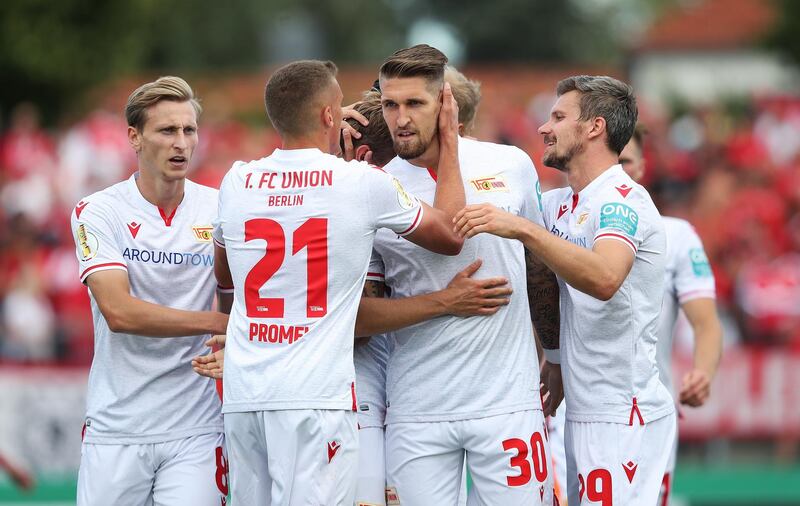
point(142, 389)
point(608, 347)
point(369, 359)
point(452, 368)
point(298, 228)
point(688, 276)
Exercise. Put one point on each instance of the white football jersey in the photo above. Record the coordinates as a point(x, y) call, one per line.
point(608, 347)
point(298, 228)
point(452, 368)
point(370, 360)
point(688, 276)
point(142, 389)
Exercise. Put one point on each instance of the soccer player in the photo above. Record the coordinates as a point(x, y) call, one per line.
point(460, 385)
point(463, 296)
point(606, 242)
point(689, 283)
point(153, 430)
point(294, 235)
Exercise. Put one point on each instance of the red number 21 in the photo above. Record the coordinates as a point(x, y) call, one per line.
point(312, 236)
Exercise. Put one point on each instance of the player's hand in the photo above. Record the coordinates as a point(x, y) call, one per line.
point(348, 131)
point(448, 116)
point(551, 388)
point(486, 218)
point(695, 389)
point(211, 365)
point(216, 342)
point(466, 296)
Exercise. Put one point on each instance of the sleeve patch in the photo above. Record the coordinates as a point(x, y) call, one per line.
point(539, 196)
point(87, 243)
point(403, 198)
point(700, 265)
point(619, 216)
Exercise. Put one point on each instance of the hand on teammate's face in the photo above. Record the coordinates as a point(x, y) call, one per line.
point(448, 114)
point(695, 389)
point(479, 218)
point(348, 131)
point(467, 296)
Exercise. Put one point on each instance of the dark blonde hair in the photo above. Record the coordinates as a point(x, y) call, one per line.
point(467, 94)
point(375, 135)
point(421, 60)
point(169, 88)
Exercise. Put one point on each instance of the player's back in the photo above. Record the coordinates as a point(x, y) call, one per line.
point(298, 229)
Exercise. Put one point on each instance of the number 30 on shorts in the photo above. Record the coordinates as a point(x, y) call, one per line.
point(520, 460)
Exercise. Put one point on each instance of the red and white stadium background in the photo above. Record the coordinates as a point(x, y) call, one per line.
point(756, 394)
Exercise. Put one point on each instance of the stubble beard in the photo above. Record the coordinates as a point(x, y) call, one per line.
point(414, 149)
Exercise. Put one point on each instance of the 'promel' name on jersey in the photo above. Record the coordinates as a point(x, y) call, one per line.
point(276, 334)
point(290, 179)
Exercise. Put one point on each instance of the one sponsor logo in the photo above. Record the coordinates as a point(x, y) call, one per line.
point(490, 184)
point(392, 498)
point(167, 257)
point(333, 447)
point(363, 408)
point(79, 208)
point(539, 196)
point(580, 241)
point(619, 216)
point(134, 228)
point(624, 190)
point(403, 198)
point(202, 233)
point(582, 218)
point(87, 243)
point(563, 209)
point(630, 470)
point(700, 265)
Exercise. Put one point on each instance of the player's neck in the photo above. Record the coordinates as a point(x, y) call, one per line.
point(166, 195)
point(585, 168)
point(430, 158)
point(306, 142)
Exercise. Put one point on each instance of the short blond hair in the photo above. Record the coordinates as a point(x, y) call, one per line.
point(467, 94)
point(147, 95)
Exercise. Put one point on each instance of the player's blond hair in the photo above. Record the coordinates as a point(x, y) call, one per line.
point(467, 94)
point(147, 95)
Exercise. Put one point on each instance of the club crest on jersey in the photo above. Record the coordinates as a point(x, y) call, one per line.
point(134, 228)
point(87, 243)
point(490, 184)
point(563, 209)
point(403, 198)
point(202, 233)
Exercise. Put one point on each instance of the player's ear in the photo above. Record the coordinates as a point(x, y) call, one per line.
point(361, 152)
point(596, 127)
point(327, 117)
point(135, 138)
point(461, 129)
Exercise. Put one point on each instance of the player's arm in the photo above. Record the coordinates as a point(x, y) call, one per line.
point(127, 314)
point(435, 231)
point(702, 316)
point(222, 272)
point(598, 272)
point(464, 296)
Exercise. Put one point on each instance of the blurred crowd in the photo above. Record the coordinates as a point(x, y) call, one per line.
point(731, 169)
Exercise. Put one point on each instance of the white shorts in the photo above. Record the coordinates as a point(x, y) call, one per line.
point(616, 462)
point(371, 489)
point(507, 457)
point(667, 481)
point(193, 470)
point(292, 457)
point(555, 427)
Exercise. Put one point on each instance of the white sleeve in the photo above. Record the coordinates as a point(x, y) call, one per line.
point(391, 206)
point(376, 270)
point(531, 208)
point(693, 276)
point(97, 247)
point(217, 232)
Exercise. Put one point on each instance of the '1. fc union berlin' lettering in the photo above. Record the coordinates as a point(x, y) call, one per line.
point(167, 257)
point(299, 179)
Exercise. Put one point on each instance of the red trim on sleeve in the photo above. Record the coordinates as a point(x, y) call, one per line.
point(635, 409)
point(617, 236)
point(110, 264)
point(706, 293)
point(353, 395)
point(220, 287)
point(376, 274)
point(433, 174)
point(413, 225)
point(167, 219)
point(83, 432)
point(219, 243)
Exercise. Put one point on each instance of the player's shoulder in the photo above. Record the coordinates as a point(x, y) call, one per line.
point(619, 187)
point(498, 152)
point(102, 202)
point(202, 191)
point(554, 197)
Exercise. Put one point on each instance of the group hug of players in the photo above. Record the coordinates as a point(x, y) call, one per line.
point(388, 279)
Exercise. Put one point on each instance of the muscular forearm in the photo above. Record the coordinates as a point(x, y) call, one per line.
point(449, 196)
point(707, 337)
point(378, 315)
point(135, 316)
point(583, 269)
